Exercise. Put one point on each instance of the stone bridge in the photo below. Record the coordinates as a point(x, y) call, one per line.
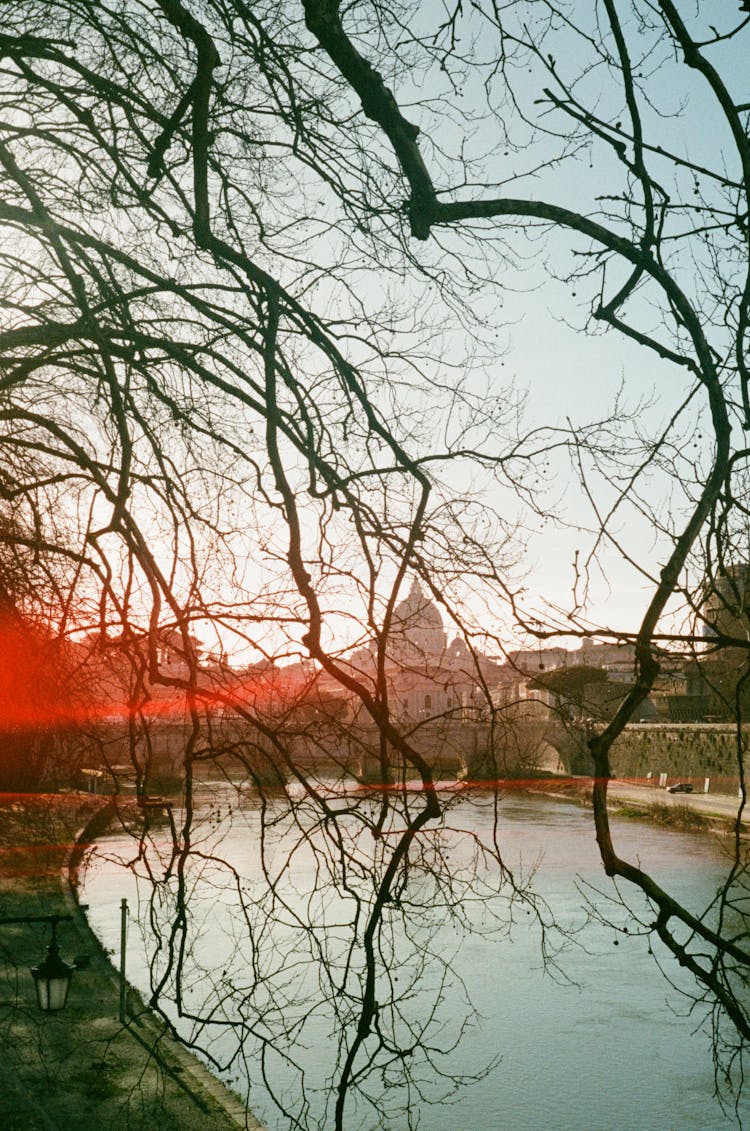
point(453, 748)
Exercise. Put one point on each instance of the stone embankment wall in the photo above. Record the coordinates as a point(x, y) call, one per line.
point(681, 750)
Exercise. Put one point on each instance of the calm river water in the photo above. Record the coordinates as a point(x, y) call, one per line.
point(606, 1044)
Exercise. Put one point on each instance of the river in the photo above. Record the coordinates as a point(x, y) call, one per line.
point(600, 1040)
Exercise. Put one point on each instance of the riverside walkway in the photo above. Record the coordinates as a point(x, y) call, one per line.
point(718, 806)
point(80, 1069)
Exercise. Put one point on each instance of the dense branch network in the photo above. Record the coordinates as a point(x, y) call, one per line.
point(243, 246)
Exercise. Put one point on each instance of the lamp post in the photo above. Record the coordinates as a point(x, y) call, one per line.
point(52, 976)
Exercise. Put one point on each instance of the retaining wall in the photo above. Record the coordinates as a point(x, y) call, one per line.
point(681, 750)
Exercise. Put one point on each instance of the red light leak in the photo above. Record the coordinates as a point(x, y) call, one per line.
point(30, 675)
point(505, 785)
point(40, 688)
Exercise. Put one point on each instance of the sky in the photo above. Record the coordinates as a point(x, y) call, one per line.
point(566, 373)
point(536, 320)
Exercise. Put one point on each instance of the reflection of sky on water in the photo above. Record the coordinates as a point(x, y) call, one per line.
point(606, 1044)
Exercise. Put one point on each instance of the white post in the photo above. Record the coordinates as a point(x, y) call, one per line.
point(706, 783)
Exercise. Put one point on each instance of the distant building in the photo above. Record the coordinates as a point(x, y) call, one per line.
point(428, 677)
point(726, 608)
point(540, 659)
point(592, 653)
point(611, 656)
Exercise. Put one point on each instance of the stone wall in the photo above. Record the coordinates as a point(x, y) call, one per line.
point(681, 750)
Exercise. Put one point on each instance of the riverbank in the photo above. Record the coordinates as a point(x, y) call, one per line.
point(633, 800)
point(80, 1069)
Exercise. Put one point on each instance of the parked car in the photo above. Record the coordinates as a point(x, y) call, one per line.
point(680, 787)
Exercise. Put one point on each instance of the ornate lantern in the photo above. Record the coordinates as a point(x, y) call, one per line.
point(52, 977)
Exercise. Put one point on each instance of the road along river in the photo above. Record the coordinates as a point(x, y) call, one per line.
point(597, 1040)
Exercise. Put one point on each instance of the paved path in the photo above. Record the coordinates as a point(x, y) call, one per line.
point(707, 804)
point(80, 1069)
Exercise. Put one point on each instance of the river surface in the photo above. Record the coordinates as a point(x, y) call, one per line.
point(602, 1042)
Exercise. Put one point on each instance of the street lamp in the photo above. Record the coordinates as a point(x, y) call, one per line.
point(52, 976)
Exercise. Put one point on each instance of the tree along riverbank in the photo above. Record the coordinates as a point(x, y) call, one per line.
point(80, 1069)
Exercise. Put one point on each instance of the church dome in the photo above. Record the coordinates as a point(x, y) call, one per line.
point(416, 621)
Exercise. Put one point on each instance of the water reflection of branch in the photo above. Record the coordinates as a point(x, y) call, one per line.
point(364, 932)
